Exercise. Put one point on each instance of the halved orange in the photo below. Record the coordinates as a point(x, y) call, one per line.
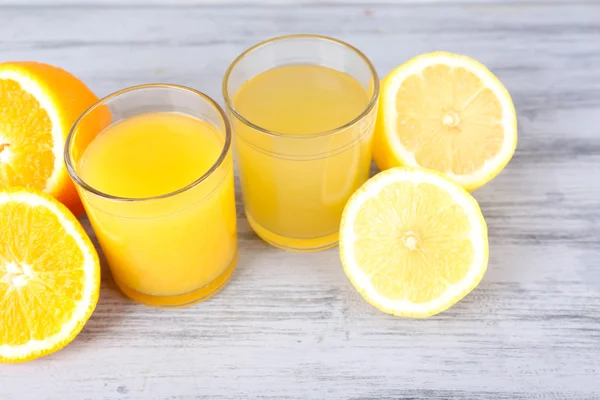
point(38, 105)
point(49, 275)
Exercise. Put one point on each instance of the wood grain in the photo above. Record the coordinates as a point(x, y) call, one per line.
point(236, 3)
point(290, 326)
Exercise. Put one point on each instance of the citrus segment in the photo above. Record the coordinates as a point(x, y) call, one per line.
point(49, 275)
point(412, 242)
point(446, 112)
point(38, 105)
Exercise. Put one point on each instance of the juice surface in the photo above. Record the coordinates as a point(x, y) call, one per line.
point(150, 155)
point(172, 246)
point(295, 187)
point(301, 99)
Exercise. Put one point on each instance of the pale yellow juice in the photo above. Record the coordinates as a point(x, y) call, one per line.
point(299, 157)
point(169, 250)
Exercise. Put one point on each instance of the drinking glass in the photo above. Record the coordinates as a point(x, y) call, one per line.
point(169, 250)
point(295, 186)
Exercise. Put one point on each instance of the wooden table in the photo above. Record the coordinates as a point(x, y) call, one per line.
point(290, 326)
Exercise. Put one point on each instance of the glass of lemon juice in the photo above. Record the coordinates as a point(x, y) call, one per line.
point(303, 109)
point(154, 170)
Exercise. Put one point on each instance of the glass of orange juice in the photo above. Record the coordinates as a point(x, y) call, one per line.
point(154, 170)
point(303, 109)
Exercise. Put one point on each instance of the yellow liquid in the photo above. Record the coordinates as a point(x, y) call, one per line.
point(170, 251)
point(295, 185)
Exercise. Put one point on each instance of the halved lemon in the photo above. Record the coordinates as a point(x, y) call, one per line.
point(446, 112)
point(49, 275)
point(412, 242)
point(38, 105)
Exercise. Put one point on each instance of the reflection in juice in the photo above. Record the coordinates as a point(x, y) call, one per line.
point(296, 181)
point(170, 250)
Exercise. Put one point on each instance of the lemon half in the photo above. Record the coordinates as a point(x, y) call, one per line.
point(412, 242)
point(446, 112)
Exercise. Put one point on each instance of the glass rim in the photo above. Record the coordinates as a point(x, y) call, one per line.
point(369, 107)
point(70, 138)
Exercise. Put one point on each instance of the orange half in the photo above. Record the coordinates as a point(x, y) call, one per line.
point(49, 275)
point(38, 105)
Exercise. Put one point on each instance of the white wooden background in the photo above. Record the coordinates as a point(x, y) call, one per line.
point(290, 326)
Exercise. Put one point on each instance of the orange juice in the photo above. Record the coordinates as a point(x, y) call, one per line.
point(169, 241)
point(297, 177)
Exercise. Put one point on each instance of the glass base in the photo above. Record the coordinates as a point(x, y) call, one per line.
point(293, 244)
point(183, 300)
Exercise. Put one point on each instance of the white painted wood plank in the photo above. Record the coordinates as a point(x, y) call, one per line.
point(290, 326)
point(235, 3)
